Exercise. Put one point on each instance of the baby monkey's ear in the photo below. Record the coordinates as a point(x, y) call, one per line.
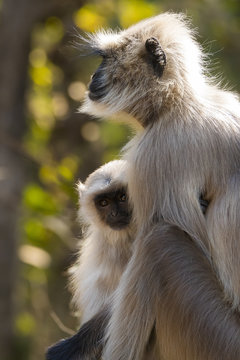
point(157, 55)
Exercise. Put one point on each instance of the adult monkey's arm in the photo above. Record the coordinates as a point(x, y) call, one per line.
point(170, 281)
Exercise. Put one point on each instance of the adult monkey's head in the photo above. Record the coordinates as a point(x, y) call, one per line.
point(145, 70)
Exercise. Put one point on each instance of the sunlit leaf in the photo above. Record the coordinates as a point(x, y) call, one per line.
point(39, 133)
point(25, 323)
point(41, 76)
point(54, 28)
point(71, 162)
point(67, 168)
point(65, 172)
point(132, 11)
point(40, 106)
point(114, 134)
point(34, 231)
point(60, 105)
point(110, 155)
point(48, 34)
point(38, 57)
point(37, 199)
point(88, 19)
point(36, 275)
point(35, 142)
point(48, 174)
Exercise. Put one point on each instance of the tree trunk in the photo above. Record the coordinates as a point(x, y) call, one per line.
point(17, 20)
point(14, 45)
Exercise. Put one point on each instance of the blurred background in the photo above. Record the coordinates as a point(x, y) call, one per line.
point(46, 146)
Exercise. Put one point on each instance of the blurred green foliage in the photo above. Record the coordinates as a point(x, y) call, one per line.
point(64, 146)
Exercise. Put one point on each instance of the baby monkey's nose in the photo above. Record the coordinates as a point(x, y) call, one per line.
point(114, 212)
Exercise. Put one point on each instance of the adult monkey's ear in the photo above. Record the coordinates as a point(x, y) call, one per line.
point(157, 55)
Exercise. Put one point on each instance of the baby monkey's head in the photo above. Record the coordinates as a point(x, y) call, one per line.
point(103, 197)
point(144, 68)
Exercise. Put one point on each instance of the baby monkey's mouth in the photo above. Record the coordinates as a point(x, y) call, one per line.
point(119, 225)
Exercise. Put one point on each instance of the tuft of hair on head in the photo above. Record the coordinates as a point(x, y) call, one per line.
point(94, 43)
point(80, 188)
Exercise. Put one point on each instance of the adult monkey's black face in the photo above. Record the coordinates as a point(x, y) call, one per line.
point(98, 87)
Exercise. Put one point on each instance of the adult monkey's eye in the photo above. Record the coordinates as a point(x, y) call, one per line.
point(103, 202)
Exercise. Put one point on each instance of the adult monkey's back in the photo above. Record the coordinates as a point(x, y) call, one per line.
point(190, 144)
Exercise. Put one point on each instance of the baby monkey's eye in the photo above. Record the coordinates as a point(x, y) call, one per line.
point(122, 197)
point(103, 202)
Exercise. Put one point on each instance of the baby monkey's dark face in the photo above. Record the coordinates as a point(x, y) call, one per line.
point(113, 208)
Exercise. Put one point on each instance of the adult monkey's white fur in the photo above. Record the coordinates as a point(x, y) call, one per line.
point(190, 144)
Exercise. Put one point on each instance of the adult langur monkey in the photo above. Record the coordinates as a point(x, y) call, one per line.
point(190, 144)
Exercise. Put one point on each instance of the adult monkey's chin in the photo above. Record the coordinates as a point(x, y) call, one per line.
point(93, 96)
point(100, 110)
point(93, 107)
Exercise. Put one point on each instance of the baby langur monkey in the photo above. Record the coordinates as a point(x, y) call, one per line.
point(109, 233)
point(108, 237)
point(105, 250)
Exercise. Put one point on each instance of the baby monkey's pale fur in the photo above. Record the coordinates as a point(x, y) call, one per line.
point(189, 144)
point(104, 252)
